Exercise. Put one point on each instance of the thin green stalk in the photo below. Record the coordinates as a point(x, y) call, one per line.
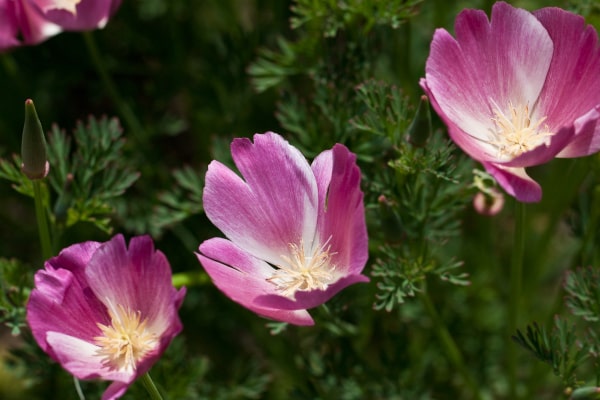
point(448, 344)
point(134, 126)
point(42, 220)
point(516, 276)
point(78, 389)
point(195, 278)
point(151, 387)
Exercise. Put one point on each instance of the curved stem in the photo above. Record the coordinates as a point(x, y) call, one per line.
point(134, 126)
point(151, 387)
point(516, 273)
point(42, 220)
point(449, 344)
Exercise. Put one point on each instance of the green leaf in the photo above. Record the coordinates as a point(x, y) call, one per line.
point(89, 176)
point(583, 288)
point(560, 348)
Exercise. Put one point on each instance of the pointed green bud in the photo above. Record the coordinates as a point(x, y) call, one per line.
point(420, 127)
point(33, 145)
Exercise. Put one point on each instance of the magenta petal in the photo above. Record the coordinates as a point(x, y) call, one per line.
point(8, 26)
point(115, 390)
point(243, 278)
point(341, 209)
point(229, 253)
point(62, 292)
point(516, 182)
point(308, 299)
point(138, 278)
point(474, 147)
point(91, 14)
point(80, 359)
point(110, 277)
point(572, 87)
point(587, 136)
point(275, 204)
point(33, 25)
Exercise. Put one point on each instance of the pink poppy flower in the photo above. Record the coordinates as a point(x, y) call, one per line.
point(28, 22)
point(517, 90)
point(105, 311)
point(297, 233)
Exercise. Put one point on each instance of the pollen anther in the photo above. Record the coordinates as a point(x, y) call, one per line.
point(126, 341)
point(304, 271)
point(517, 133)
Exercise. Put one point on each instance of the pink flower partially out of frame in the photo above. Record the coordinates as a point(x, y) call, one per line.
point(517, 90)
point(296, 232)
point(105, 311)
point(28, 22)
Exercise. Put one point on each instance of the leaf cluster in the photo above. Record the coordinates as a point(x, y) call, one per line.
point(330, 16)
point(87, 176)
point(416, 193)
point(583, 293)
point(88, 171)
point(180, 203)
point(15, 281)
point(565, 348)
point(559, 348)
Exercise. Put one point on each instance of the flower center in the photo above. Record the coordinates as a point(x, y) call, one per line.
point(126, 341)
point(516, 133)
point(304, 272)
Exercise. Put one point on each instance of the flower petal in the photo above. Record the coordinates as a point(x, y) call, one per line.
point(587, 136)
point(138, 278)
point(155, 292)
point(341, 209)
point(62, 301)
point(243, 278)
point(110, 276)
point(544, 153)
point(308, 299)
point(33, 25)
point(515, 182)
point(275, 206)
point(80, 358)
point(489, 66)
point(115, 390)
point(8, 23)
point(90, 14)
point(572, 87)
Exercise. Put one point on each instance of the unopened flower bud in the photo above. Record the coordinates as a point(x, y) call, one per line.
point(489, 203)
point(33, 145)
point(420, 127)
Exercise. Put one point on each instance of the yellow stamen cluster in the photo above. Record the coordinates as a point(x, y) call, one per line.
point(516, 133)
point(303, 272)
point(126, 341)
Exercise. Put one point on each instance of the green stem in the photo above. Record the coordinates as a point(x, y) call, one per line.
point(516, 274)
point(78, 389)
point(196, 278)
point(151, 387)
point(448, 344)
point(42, 220)
point(134, 126)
